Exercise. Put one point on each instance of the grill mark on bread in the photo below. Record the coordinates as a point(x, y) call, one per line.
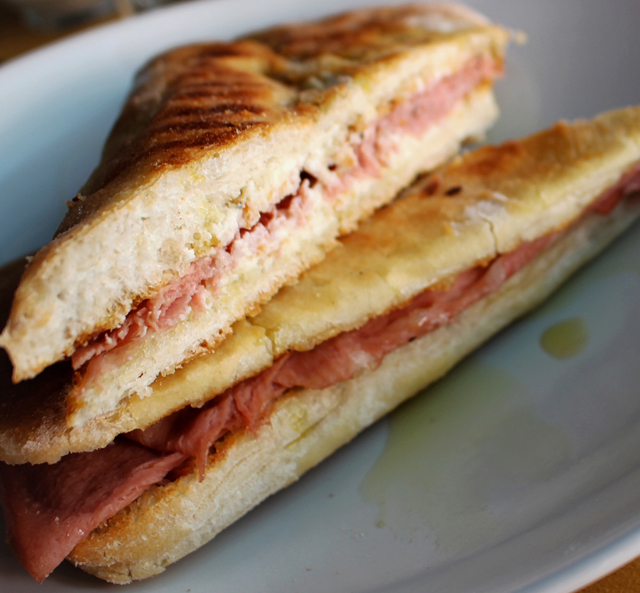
point(200, 119)
point(226, 108)
point(174, 152)
point(205, 91)
point(225, 50)
point(207, 95)
point(209, 130)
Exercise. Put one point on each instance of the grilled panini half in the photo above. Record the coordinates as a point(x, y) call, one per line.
point(233, 167)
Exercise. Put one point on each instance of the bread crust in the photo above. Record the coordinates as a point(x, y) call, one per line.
point(379, 269)
point(204, 121)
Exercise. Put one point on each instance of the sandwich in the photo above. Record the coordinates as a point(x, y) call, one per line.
point(419, 285)
point(232, 168)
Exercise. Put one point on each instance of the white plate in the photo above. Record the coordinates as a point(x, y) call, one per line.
point(518, 472)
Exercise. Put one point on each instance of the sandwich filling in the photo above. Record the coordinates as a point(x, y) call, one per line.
point(50, 508)
point(365, 155)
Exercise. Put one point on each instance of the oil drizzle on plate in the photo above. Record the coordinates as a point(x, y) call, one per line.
point(565, 339)
point(452, 450)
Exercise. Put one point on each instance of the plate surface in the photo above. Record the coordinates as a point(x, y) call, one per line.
point(520, 471)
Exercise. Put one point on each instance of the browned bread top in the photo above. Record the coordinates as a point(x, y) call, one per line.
point(208, 96)
point(200, 97)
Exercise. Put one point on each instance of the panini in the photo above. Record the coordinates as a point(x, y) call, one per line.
point(233, 167)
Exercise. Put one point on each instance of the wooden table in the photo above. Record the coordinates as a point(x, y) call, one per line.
point(16, 39)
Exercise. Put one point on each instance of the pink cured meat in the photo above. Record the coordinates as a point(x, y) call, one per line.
point(193, 431)
point(628, 185)
point(50, 508)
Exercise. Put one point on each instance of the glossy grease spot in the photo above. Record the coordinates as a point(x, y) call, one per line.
point(565, 339)
point(456, 451)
